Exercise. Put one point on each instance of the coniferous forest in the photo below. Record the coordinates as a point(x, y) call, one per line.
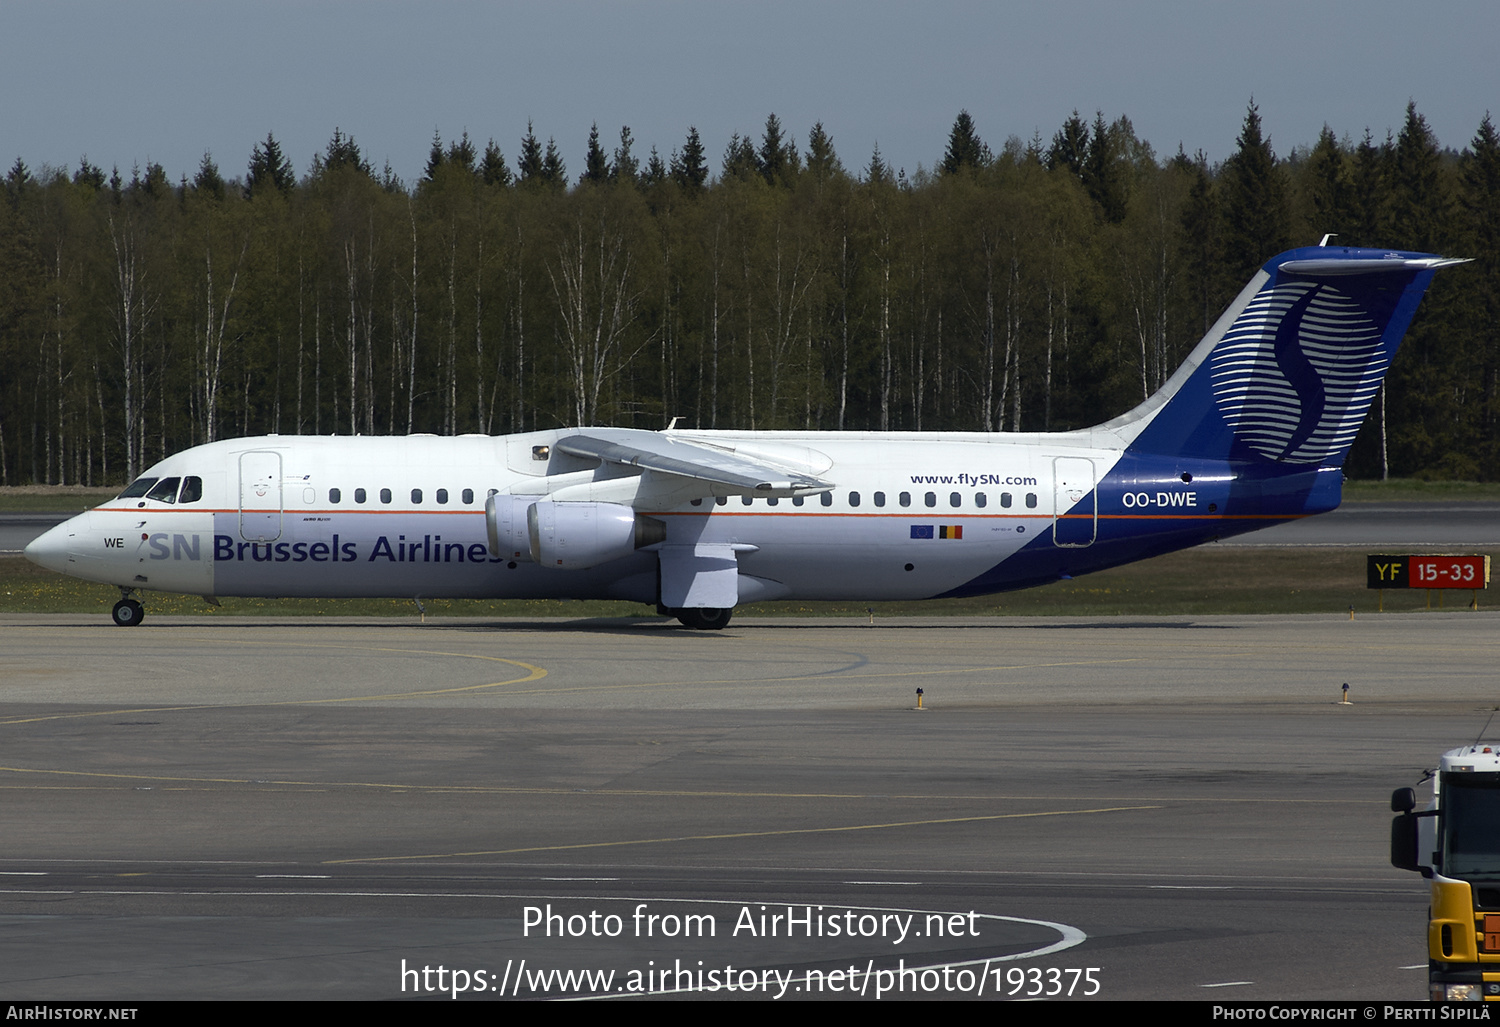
point(1046, 284)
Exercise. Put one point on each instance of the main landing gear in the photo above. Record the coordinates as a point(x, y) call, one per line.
point(127, 612)
point(703, 619)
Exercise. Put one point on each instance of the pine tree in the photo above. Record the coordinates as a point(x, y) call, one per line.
point(965, 149)
point(740, 160)
point(1329, 188)
point(435, 157)
point(878, 172)
point(343, 152)
point(689, 168)
point(463, 153)
point(492, 168)
point(529, 164)
point(1253, 202)
point(1419, 205)
point(656, 170)
point(90, 175)
point(1201, 248)
point(821, 160)
point(772, 158)
point(269, 168)
point(1369, 194)
point(554, 171)
point(595, 164)
point(208, 181)
point(155, 184)
point(1479, 197)
point(19, 176)
point(1106, 171)
point(625, 168)
point(1070, 146)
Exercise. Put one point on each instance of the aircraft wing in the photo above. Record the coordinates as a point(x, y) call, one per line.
point(733, 473)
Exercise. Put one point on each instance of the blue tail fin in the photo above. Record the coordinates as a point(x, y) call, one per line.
point(1288, 372)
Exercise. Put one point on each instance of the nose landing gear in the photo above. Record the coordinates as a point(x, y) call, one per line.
point(127, 612)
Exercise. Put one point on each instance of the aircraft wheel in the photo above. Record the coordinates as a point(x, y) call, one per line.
point(128, 613)
point(704, 619)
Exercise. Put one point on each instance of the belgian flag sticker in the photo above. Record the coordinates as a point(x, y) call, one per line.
point(941, 531)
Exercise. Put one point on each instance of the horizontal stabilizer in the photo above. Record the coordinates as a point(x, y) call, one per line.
point(1322, 268)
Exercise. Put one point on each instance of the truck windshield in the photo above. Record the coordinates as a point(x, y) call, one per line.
point(1471, 824)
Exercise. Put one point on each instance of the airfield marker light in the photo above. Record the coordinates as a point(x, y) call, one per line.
point(1345, 700)
point(1351, 611)
point(919, 698)
point(871, 611)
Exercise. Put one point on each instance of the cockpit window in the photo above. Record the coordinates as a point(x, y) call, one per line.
point(165, 490)
point(138, 488)
point(192, 489)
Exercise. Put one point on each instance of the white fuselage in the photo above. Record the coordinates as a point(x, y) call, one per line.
point(910, 516)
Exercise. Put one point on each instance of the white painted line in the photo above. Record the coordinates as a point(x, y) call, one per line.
point(298, 877)
point(577, 878)
point(883, 884)
point(1226, 984)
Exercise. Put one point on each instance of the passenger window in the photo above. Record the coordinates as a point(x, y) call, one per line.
point(138, 488)
point(192, 489)
point(359, 495)
point(930, 499)
point(854, 499)
point(416, 495)
point(1031, 500)
point(905, 499)
point(442, 496)
point(468, 496)
point(334, 495)
point(880, 499)
point(746, 500)
point(954, 499)
point(826, 498)
point(165, 491)
point(797, 500)
point(721, 500)
point(695, 502)
point(1005, 500)
point(772, 501)
point(385, 495)
point(981, 500)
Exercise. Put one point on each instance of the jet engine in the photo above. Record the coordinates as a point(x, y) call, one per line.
point(505, 520)
point(571, 536)
point(567, 536)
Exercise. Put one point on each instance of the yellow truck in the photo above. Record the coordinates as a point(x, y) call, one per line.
point(1455, 844)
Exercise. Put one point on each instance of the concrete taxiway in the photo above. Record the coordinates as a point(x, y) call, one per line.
point(253, 808)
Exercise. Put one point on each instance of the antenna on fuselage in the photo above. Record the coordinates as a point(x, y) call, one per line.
point(673, 424)
point(1330, 235)
point(1480, 737)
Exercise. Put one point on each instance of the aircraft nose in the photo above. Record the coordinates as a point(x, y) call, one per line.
point(50, 549)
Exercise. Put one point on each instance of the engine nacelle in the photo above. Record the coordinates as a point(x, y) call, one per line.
point(505, 521)
point(572, 536)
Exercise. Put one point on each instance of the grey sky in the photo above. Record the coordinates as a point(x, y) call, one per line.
point(165, 81)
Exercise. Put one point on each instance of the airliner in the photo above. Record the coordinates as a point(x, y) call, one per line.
point(1251, 431)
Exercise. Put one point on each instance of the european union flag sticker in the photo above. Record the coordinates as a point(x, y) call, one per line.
point(921, 531)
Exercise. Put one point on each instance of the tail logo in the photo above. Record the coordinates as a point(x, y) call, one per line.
point(1297, 371)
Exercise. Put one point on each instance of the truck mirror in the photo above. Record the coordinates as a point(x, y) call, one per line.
point(1404, 842)
point(1403, 800)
